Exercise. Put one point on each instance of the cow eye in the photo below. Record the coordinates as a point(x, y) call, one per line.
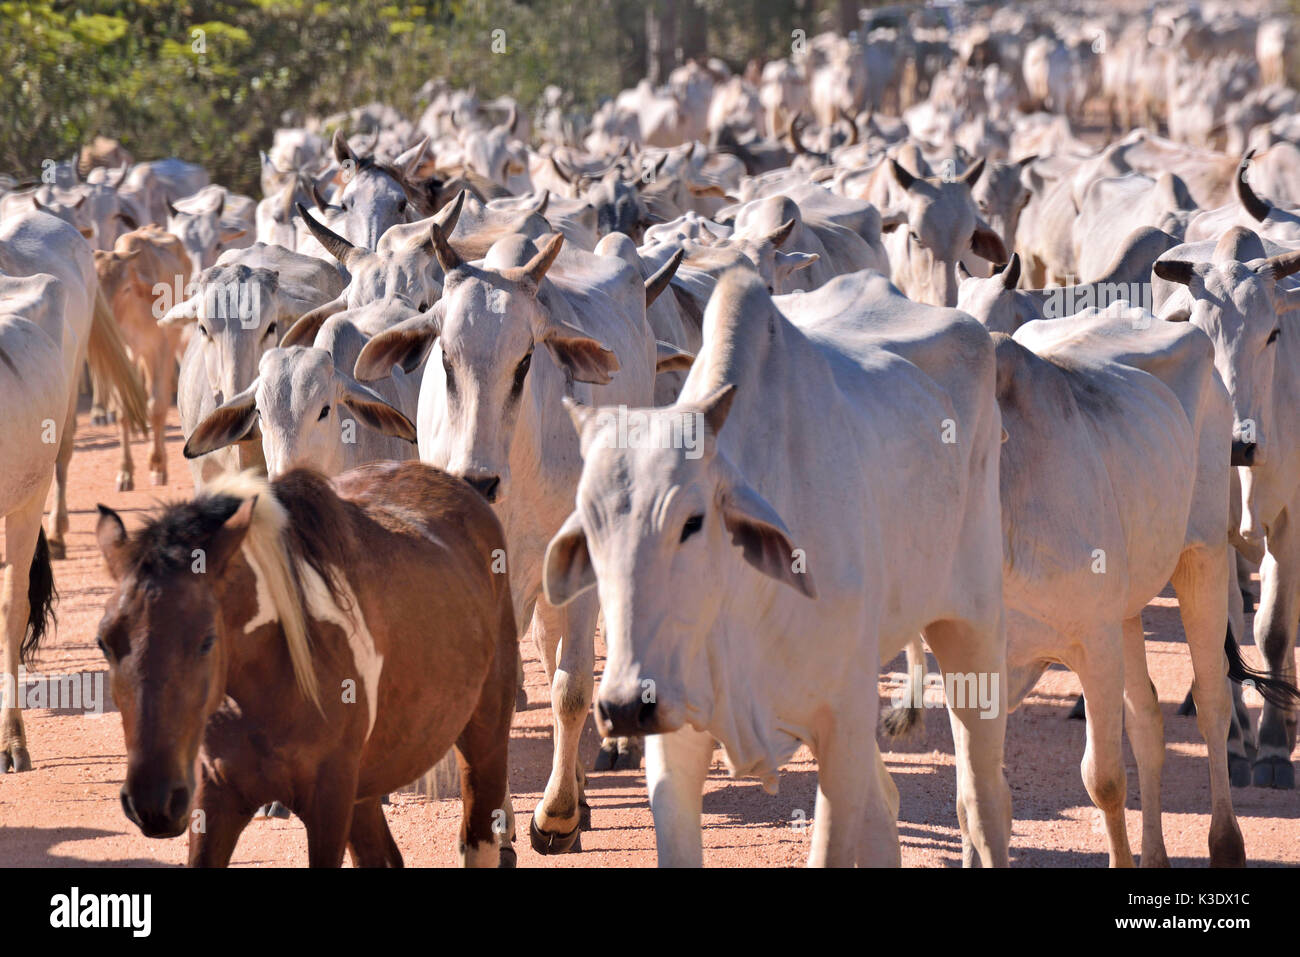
point(401, 206)
point(915, 238)
point(693, 525)
point(521, 371)
point(270, 331)
point(325, 410)
point(204, 329)
point(1272, 336)
point(103, 646)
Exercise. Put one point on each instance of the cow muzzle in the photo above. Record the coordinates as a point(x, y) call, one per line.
point(159, 808)
point(632, 714)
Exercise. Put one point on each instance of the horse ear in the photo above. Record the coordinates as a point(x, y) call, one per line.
point(227, 539)
point(111, 535)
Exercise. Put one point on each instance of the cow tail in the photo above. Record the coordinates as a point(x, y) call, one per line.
point(41, 596)
point(1276, 691)
point(112, 368)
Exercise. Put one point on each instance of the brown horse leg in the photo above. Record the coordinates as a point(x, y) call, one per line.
point(487, 824)
point(215, 825)
point(328, 816)
point(370, 841)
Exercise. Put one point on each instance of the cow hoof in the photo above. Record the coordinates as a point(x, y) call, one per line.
point(1188, 708)
point(546, 842)
point(1276, 773)
point(584, 815)
point(509, 859)
point(125, 483)
point(15, 758)
point(58, 551)
point(110, 418)
point(97, 417)
point(277, 810)
point(1238, 771)
point(158, 478)
point(1078, 712)
point(606, 757)
point(521, 700)
point(629, 758)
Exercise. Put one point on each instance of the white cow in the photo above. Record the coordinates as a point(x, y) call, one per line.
point(750, 576)
point(510, 337)
point(37, 367)
point(1238, 291)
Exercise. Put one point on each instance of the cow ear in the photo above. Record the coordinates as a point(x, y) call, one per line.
point(1286, 301)
point(181, 314)
point(303, 331)
point(230, 233)
point(227, 424)
point(567, 571)
point(796, 261)
point(373, 410)
point(111, 535)
point(762, 537)
point(583, 357)
point(962, 272)
point(987, 244)
point(668, 358)
point(405, 344)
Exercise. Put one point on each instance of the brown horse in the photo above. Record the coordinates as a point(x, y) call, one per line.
point(317, 642)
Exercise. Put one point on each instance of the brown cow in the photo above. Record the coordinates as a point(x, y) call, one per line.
point(130, 275)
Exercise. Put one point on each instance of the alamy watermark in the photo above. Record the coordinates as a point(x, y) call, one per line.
point(84, 691)
point(978, 690)
point(624, 428)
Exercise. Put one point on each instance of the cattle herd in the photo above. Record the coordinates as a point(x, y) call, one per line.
point(971, 328)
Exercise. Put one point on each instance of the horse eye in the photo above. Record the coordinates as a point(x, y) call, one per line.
point(208, 642)
point(103, 646)
point(325, 410)
point(693, 525)
point(1272, 336)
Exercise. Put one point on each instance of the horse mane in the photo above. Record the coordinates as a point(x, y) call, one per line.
point(298, 524)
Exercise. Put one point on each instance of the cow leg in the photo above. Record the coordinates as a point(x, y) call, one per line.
point(1275, 635)
point(1199, 581)
point(58, 517)
point(983, 797)
point(1241, 732)
point(566, 643)
point(1146, 734)
point(1100, 670)
point(851, 822)
point(22, 529)
point(370, 842)
point(676, 766)
point(125, 465)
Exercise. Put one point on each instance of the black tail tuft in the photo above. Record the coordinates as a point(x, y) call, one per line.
point(41, 596)
point(1276, 691)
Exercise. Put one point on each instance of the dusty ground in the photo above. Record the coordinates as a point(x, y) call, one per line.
point(66, 812)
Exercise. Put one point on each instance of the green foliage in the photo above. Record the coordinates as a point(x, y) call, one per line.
point(209, 80)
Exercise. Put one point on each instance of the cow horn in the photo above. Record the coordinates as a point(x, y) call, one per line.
point(797, 146)
point(779, 235)
point(334, 244)
point(540, 208)
point(1249, 200)
point(1011, 275)
point(449, 215)
point(447, 257)
point(660, 280)
point(1284, 264)
point(537, 266)
point(559, 170)
point(853, 126)
point(972, 175)
point(1174, 270)
point(514, 119)
point(172, 210)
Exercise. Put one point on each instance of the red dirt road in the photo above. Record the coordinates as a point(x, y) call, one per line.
point(66, 811)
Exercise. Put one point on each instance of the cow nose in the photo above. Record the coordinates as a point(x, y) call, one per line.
point(629, 717)
point(1243, 453)
point(485, 485)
